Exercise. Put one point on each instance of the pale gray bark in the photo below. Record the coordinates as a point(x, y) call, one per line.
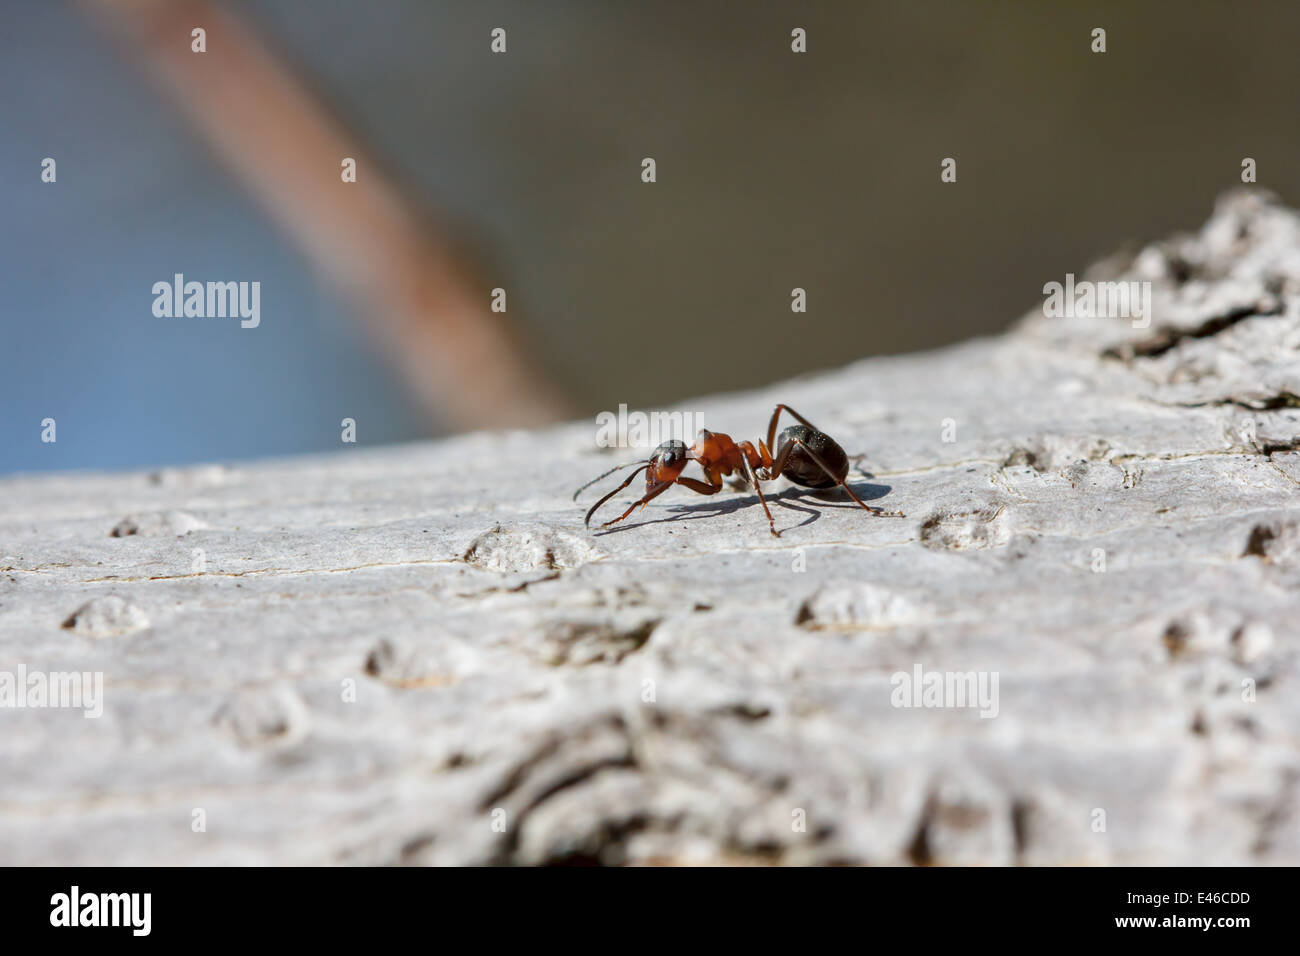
point(501, 653)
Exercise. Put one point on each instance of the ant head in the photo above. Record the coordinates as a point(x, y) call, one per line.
point(667, 462)
point(669, 453)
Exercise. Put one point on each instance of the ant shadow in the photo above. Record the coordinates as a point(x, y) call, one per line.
point(832, 497)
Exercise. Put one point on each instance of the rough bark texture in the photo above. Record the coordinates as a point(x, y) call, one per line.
point(1113, 532)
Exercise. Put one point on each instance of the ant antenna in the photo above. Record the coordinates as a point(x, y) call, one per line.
point(626, 464)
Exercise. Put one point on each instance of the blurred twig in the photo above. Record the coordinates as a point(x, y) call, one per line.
point(463, 362)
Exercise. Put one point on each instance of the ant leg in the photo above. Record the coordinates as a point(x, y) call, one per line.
point(753, 480)
point(703, 488)
point(587, 521)
point(785, 453)
point(654, 492)
point(746, 448)
point(692, 483)
point(776, 414)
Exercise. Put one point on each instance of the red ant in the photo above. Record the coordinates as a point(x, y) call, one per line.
point(805, 455)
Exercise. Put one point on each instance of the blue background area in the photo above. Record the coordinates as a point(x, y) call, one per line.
point(775, 170)
point(136, 200)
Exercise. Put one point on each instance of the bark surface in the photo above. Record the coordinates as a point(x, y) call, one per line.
point(419, 655)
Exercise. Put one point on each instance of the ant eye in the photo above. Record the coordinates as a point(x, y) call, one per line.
point(670, 452)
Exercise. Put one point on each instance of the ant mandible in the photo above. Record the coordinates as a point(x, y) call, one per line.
point(804, 454)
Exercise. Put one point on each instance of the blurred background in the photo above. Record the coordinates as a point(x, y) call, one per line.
point(522, 170)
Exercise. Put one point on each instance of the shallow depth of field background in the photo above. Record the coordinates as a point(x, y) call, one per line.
point(775, 170)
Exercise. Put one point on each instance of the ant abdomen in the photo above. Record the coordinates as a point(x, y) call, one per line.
point(801, 468)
